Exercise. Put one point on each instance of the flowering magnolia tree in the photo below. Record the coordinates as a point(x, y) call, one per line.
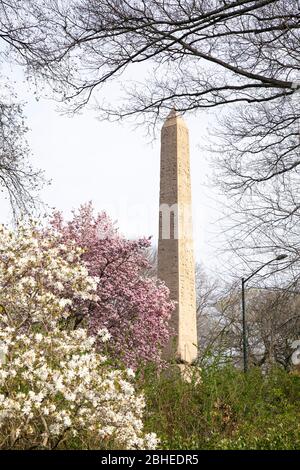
point(56, 389)
point(134, 308)
point(40, 277)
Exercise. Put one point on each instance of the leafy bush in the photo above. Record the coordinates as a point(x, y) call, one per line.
point(225, 410)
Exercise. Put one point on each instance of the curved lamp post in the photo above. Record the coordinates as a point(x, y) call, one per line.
point(244, 280)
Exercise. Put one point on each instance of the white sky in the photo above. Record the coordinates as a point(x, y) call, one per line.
point(116, 167)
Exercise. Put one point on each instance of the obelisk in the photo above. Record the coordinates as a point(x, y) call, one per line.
point(176, 265)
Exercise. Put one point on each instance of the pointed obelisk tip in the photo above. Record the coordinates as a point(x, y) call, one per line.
point(172, 114)
point(174, 118)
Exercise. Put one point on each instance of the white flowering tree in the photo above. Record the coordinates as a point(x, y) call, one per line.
point(56, 390)
point(38, 278)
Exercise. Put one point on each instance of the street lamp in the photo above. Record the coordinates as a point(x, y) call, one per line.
point(244, 280)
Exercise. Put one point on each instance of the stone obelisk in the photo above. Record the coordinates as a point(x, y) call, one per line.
point(176, 265)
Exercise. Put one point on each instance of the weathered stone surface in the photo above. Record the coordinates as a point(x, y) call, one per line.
point(176, 264)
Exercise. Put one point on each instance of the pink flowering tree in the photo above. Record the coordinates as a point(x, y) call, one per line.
point(133, 307)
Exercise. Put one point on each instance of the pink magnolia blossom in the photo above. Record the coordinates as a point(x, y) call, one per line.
point(133, 307)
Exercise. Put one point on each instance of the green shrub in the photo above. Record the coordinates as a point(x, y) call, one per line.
point(226, 410)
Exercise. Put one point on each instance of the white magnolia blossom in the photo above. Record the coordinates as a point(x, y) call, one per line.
point(37, 279)
point(104, 335)
point(55, 387)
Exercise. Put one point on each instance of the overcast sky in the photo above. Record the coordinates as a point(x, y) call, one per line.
point(117, 167)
